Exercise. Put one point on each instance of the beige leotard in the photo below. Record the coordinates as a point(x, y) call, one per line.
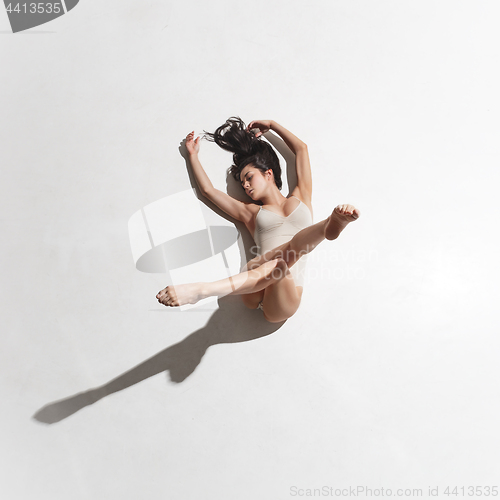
point(272, 230)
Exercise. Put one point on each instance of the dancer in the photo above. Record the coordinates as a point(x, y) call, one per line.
point(282, 227)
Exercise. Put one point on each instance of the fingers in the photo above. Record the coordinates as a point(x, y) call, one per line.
point(189, 138)
point(252, 125)
point(256, 134)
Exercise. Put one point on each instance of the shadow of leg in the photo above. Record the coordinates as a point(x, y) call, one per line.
point(231, 323)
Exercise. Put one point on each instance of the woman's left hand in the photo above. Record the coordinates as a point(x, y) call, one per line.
point(262, 125)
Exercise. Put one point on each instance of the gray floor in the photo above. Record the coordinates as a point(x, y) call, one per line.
point(387, 376)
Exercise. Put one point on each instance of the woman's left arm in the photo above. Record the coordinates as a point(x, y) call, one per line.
point(304, 176)
point(302, 164)
point(292, 141)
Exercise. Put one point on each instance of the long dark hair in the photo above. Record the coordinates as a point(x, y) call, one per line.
point(246, 148)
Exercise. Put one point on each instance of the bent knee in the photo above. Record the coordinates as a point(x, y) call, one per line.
point(278, 314)
point(276, 318)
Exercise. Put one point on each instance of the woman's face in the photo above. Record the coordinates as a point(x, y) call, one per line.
point(254, 181)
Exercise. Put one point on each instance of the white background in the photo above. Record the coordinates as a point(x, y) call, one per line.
point(387, 376)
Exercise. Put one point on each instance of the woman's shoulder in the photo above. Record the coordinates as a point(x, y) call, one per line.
point(251, 221)
point(305, 199)
point(252, 207)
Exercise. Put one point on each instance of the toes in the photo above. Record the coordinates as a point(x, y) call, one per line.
point(164, 297)
point(346, 209)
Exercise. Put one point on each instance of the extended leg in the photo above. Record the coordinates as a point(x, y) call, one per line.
point(243, 283)
point(280, 300)
point(310, 237)
point(263, 270)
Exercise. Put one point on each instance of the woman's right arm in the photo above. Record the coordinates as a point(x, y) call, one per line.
point(193, 147)
point(234, 208)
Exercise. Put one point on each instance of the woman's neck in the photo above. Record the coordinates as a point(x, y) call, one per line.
point(274, 198)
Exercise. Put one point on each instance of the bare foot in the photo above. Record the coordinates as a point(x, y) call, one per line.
point(181, 294)
point(341, 216)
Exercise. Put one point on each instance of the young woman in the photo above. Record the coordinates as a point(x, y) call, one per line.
point(282, 227)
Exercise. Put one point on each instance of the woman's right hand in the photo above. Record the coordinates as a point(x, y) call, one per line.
point(262, 125)
point(193, 146)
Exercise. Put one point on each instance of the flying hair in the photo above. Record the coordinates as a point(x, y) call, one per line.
point(247, 149)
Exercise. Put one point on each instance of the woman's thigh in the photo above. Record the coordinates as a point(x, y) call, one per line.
point(281, 299)
point(279, 251)
point(252, 300)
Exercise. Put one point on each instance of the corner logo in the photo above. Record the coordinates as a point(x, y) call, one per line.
point(26, 15)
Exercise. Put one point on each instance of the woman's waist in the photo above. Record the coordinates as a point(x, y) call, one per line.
point(271, 242)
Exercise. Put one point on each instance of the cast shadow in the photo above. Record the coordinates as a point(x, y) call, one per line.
point(229, 324)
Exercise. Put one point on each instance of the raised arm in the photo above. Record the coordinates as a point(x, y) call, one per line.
point(298, 147)
point(292, 141)
point(234, 208)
